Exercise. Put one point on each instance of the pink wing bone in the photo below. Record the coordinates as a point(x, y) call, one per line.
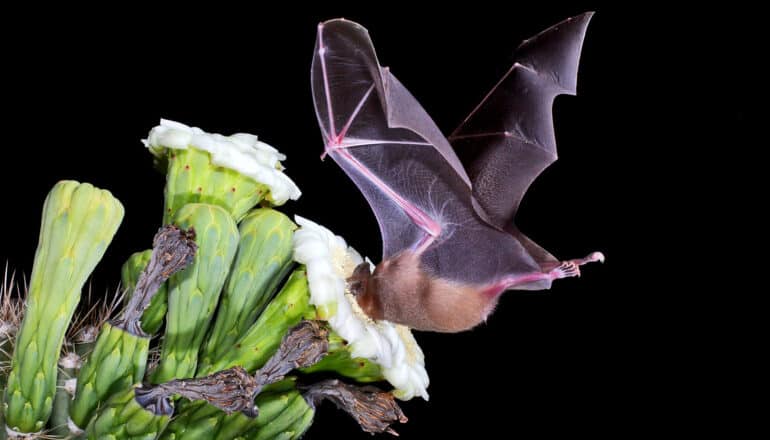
point(365, 77)
point(419, 217)
point(337, 143)
point(330, 111)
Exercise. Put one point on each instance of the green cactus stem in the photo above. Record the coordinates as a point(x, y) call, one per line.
point(192, 178)
point(61, 402)
point(282, 413)
point(263, 259)
point(123, 417)
point(201, 421)
point(194, 293)
point(293, 409)
point(118, 361)
point(119, 358)
point(262, 339)
point(234, 172)
point(78, 224)
point(70, 363)
point(303, 345)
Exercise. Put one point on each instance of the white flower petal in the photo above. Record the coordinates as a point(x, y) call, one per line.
point(330, 261)
point(241, 152)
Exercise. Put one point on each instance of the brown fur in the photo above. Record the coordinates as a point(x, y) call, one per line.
point(400, 291)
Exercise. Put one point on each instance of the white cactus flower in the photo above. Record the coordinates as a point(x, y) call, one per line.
point(241, 152)
point(330, 262)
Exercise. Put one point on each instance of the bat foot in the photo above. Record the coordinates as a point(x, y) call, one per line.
point(571, 268)
point(565, 270)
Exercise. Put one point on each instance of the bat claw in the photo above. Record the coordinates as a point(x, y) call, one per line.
point(595, 256)
point(591, 258)
point(565, 270)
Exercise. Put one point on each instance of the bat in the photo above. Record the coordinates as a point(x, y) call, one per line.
point(445, 206)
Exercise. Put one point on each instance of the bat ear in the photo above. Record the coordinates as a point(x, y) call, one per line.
point(357, 282)
point(557, 49)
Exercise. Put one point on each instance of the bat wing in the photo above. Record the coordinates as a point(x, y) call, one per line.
point(508, 139)
point(402, 163)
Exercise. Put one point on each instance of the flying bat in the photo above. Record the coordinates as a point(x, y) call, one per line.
point(445, 206)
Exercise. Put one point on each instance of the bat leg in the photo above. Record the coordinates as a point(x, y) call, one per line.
point(534, 281)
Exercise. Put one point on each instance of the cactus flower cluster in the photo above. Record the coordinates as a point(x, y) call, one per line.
point(224, 324)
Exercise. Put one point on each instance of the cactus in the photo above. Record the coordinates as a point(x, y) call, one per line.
point(263, 259)
point(261, 340)
point(233, 333)
point(192, 178)
point(117, 362)
point(294, 409)
point(281, 409)
point(82, 337)
point(78, 224)
point(122, 417)
point(234, 172)
point(119, 358)
point(194, 293)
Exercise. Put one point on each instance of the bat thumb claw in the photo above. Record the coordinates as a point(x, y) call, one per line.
point(595, 256)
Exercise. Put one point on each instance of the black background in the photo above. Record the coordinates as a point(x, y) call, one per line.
point(80, 93)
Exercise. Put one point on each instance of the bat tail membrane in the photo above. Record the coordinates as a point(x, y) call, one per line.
point(508, 139)
point(542, 257)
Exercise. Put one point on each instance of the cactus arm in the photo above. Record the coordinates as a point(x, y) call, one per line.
point(118, 361)
point(192, 178)
point(262, 339)
point(122, 417)
point(66, 381)
point(194, 293)
point(264, 258)
point(119, 358)
point(78, 224)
